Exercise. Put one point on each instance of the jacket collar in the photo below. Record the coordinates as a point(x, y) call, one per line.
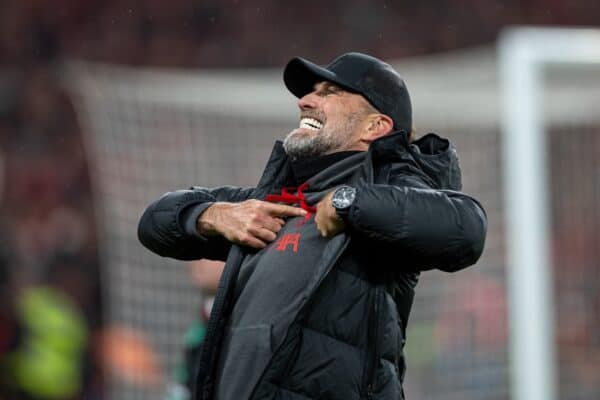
point(431, 157)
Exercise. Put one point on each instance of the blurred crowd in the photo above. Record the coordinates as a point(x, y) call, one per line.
point(49, 273)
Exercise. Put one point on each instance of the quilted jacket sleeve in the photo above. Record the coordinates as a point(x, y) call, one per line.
point(427, 228)
point(165, 230)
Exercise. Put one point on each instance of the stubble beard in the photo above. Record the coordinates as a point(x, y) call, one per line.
point(301, 143)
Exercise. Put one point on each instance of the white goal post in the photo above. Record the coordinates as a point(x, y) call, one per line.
point(524, 55)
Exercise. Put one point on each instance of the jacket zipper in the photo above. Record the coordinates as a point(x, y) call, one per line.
point(372, 351)
point(217, 310)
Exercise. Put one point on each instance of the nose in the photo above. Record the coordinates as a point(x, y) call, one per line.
point(308, 101)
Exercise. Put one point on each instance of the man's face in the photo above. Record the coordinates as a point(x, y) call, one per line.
point(330, 121)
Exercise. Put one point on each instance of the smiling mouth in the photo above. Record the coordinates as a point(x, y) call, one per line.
point(311, 123)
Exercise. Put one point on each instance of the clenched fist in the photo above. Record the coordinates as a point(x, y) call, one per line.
point(252, 223)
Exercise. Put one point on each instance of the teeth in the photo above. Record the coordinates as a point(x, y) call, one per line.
point(311, 123)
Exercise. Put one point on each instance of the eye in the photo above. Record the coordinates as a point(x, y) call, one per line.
point(332, 90)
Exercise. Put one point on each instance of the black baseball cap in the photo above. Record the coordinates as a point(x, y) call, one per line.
point(360, 73)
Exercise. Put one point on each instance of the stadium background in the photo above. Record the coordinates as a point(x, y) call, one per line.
point(50, 267)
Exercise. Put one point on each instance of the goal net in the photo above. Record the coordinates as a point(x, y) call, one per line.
point(149, 131)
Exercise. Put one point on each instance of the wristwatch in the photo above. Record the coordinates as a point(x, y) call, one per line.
point(342, 200)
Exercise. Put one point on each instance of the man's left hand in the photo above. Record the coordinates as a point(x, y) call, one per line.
point(328, 221)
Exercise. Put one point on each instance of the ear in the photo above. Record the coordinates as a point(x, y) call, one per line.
point(376, 126)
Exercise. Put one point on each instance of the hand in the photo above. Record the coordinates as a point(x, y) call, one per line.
point(206, 275)
point(328, 221)
point(251, 223)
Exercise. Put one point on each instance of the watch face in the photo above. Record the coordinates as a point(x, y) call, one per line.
point(343, 197)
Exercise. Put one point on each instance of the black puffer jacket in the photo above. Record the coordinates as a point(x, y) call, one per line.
point(345, 340)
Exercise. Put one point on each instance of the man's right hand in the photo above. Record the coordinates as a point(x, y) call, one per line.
point(252, 223)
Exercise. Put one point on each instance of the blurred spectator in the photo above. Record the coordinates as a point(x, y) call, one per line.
point(128, 356)
point(471, 337)
point(206, 275)
point(49, 362)
point(44, 350)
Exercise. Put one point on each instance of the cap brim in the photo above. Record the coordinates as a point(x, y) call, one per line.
point(300, 77)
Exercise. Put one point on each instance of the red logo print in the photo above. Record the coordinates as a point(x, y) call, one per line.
point(288, 239)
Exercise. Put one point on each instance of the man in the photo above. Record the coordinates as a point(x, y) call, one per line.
point(324, 253)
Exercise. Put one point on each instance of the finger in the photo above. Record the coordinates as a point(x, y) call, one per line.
point(282, 210)
point(262, 234)
point(273, 224)
point(319, 220)
point(280, 221)
point(328, 232)
point(251, 241)
point(324, 228)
